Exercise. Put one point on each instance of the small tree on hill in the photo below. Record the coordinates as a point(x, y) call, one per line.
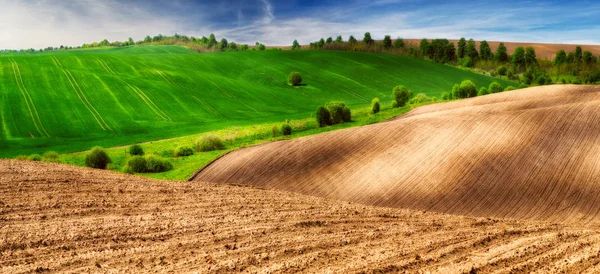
point(368, 40)
point(286, 129)
point(295, 79)
point(387, 42)
point(495, 87)
point(295, 45)
point(323, 116)
point(501, 54)
point(352, 40)
point(97, 158)
point(399, 43)
point(401, 95)
point(485, 52)
point(466, 89)
point(136, 150)
point(462, 44)
point(339, 39)
point(375, 105)
point(329, 40)
point(339, 112)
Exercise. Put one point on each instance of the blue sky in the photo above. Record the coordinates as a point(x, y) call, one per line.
point(42, 23)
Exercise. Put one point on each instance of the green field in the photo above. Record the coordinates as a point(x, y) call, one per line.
point(72, 100)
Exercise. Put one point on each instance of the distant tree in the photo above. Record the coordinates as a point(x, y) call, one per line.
point(323, 116)
point(462, 44)
point(399, 43)
point(204, 40)
point(588, 58)
point(130, 41)
point(329, 40)
point(485, 52)
point(367, 39)
point(286, 129)
point(578, 56)
point(223, 44)
point(401, 95)
point(244, 47)
point(495, 87)
point(339, 39)
point(212, 41)
point(424, 49)
point(148, 39)
point(501, 70)
point(232, 46)
point(571, 58)
point(466, 89)
point(518, 58)
point(471, 50)
point(104, 43)
point(97, 158)
point(530, 57)
point(339, 112)
point(321, 43)
point(560, 58)
point(375, 107)
point(387, 42)
point(261, 47)
point(352, 40)
point(294, 78)
point(295, 45)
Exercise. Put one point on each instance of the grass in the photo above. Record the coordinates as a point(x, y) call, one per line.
point(69, 101)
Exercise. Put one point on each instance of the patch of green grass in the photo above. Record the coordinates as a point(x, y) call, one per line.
point(68, 101)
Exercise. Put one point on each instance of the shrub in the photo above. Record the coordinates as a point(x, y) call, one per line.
point(483, 91)
point(183, 151)
point(274, 131)
point(495, 87)
point(136, 150)
point(286, 129)
point(394, 104)
point(501, 70)
point(375, 105)
point(209, 143)
point(22, 158)
point(337, 111)
point(97, 158)
point(34, 157)
point(420, 99)
point(509, 88)
point(466, 89)
point(401, 94)
point(136, 164)
point(323, 116)
point(445, 96)
point(51, 156)
point(346, 114)
point(167, 153)
point(295, 79)
point(155, 164)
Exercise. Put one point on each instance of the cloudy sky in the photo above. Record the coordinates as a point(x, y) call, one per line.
point(43, 23)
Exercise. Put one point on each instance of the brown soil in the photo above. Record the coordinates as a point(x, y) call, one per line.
point(527, 154)
point(60, 218)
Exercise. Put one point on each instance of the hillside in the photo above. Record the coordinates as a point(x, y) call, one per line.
point(58, 218)
point(73, 100)
point(525, 154)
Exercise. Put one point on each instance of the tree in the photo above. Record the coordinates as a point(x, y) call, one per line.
point(367, 39)
point(401, 95)
point(130, 41)
point(495, 87)
point(329, 40)
point(518, 58)
point(485, 52)
point(339, 39)
point(530, 58)
point(339, 112)
point(232, 46)
point(352, 40)
point(587, 57)
point(375, 105)
point(223, 44)
point(244, 47)
point(261, 47)
point(424, 47)
point(501, 54)
point(286, 129)
point(323, 116)
point(212, 40)
point(560, 58)
point(321, 43)
point(578, 56)
point(399, 43)
point(466, 89)
point(97, 158)
point(462, 44)
point(471, 50)
point(148, 39)
point(104, 43)
point(136, 150)
point(294, 78)
point(387, 42)
point(295, 45)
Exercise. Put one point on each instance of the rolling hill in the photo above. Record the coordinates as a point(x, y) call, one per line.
point(525, 154)
point(59, 218)
point(73, 100)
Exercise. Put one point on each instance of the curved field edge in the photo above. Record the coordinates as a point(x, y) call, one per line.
point(73, 219)
point(113, 97)
point(526, 154)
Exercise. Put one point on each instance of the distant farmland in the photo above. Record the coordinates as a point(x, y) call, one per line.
point(73, 100)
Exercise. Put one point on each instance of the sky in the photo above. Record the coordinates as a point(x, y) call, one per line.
point(42, 23)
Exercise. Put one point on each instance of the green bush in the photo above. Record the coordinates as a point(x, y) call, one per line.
point(338, 112)
point(34, 157)
point(295, 79)
point(375, 107)
point(209, 143)
point(167, 153)
point(445, 96)
point(401, 94)
point(509, 88)
point(323, 116)
point(346, 114)
point(466, 89)
point(501, 70)
point(274, 131)
point(183, 151)
point(286, 129)
point(421, 98)
point(483, 91)
point(495, 87)
point(155, 164)
point(22, 158)
point(394, 104)
point(97, 158)
point(136, 150)
point(136, 164)
point(51, 156)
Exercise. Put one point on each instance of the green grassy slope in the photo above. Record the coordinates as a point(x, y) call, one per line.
point(72, 100)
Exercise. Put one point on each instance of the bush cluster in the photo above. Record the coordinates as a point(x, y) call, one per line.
point(333, 113)
point(147, 164)
point(421, 98)
point(466, 89)
point(136, 150)
point(401, 95)
point(183, 151)
point(209, 143)
point(97, 158)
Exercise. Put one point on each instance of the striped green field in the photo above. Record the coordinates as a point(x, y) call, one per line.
point(73, 100)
